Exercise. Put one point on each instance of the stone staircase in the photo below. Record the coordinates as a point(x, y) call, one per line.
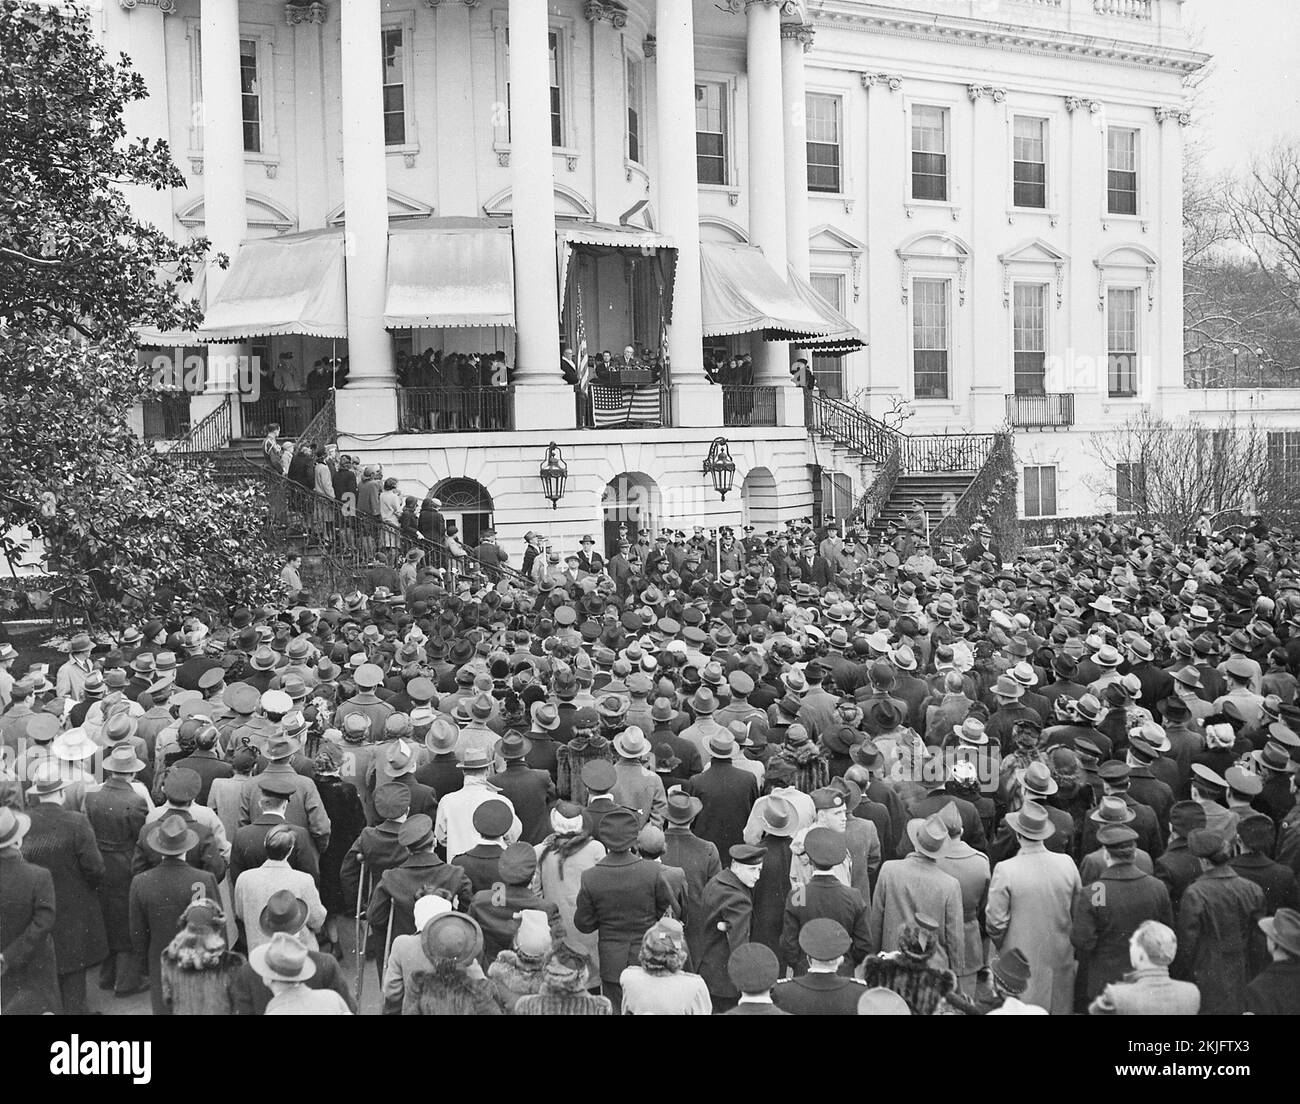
point(920, 495)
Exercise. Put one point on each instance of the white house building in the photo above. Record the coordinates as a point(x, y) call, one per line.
point(984, 196)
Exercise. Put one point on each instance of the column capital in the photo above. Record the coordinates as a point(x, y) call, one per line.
point(299, 12)
point(788, 7)
point(1082, 103)
point(1181, 115)
point(798, 32)
point(979, 91)
point(436, 3)
point(650, 47)
point(888, 80)
point(167, 7)
point(610, 10)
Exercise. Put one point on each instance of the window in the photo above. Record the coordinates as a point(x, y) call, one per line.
point(1029, 162)
point(711, 133)
point(823, 120)
point(250, 97)
point(1040, 491)
point(1121, 341)
point(1029, 337)
point(930, 339)
point(394, 87)
point(1283, 456)
point(1129, 487)
point(557, 109)
point(1121, 171)
point(634, 86)
point(828, 371)
point(930, 153)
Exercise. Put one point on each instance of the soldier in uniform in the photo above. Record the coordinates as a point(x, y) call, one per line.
point(823, 990)
point(728, 908)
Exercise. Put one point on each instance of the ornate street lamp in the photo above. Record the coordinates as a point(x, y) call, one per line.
point(720, 466)
point(554, 474)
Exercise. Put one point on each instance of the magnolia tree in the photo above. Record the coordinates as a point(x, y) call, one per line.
point(131, 531)
point(1172, 475)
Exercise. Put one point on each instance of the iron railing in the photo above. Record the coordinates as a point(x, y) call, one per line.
point(210, 435)
point(873, 499)
point(1037, 532)
point(998, 461)
point(293, 411)
point(744, 405)
point(1046, 411)
point(456, 409)
point(847, 425)
point(322, 429)
point(946, 452)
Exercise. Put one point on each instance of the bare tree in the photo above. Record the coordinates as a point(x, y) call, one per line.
point(1169, 475)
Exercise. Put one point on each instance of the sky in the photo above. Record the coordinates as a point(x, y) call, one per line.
point(1252, 95)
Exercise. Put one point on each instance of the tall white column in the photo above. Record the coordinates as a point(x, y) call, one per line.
point(1168, 356)
point(696, 402)
point(542, 399)
point(138, 32)
point(225, 218)
point(795, 41)
point(369, 402)
point(981, 382)
point(767, 182)
point(312, 177)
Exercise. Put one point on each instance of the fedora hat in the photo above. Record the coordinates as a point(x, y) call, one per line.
point(12, 824)
point(1007, 687)
point(1038, 780)
point(683, 807)
point(284, 912)
point(123, 760)
point(971, 731)
point(513, 745)
point(631, 743)
point(171, 836)
point(779, 817)
point(1283, 927)
point(282, 958)
point(722, 745)
point(1031, 821)
point(73, 746)
point(46, 779)
point(929, 835)
point(1112, 810)
point(1011, 968)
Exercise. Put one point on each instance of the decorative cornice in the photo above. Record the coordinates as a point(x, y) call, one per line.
point(798, 32)
point(1180, 115)
point(889, 80)
point(735, 7)
point(1082, 103)
point(304, 13)
point(167, 7)
point(435, 3)
point(979, 91)
point(1004, 37)
point(650, 47)
point(609, 10)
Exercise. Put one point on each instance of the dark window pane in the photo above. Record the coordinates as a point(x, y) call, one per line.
point(1030, 185)
point(394, 129)
point(1121, 192)
point(557, 129)
point(1122, 374)
point(1030, 370)
point(710, 159)
point(823, 167)
point(930, 176)
point(930, 369)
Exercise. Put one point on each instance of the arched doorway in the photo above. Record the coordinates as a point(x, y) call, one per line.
point(467, 503)
point(758, 499)
point(631, 505)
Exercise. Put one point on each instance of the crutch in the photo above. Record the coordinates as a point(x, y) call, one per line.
point(361, 931)
point(388, 937)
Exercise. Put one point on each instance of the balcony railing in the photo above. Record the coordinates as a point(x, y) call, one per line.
point(946, 452)
point(1123, 9)
point(1047, 411)
point(748, 406)
point(293, 411)
point(456, 409)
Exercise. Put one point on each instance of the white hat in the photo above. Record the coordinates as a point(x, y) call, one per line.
point(429, 906)
point(534, 935)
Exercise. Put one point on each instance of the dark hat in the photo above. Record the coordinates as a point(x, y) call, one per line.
point(619, 828)
point(1185, 817)
point(392, 799)
point(452, 937)
point(284, 912)
point(746, 853)
point(493, 818)
point(683, 807)
point(599, 776)
point(518, 862)
point(277, 783)
point(171, 835)
point(1204, 843)
point(416, 833)
point(825, 847)
point(182, 784)
point(753, 968)
point(824, 940)
point(1113, 771)
point(1011, 968)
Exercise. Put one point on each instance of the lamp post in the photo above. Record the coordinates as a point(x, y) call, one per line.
point(720, 466)
point(554, 473)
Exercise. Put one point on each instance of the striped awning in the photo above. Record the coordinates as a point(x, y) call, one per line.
point(292, 284)
point(602, 235)
point(844, 337)
point(740, 292)
point(450, 273)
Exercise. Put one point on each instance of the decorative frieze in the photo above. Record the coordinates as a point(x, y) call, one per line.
point(295, 14)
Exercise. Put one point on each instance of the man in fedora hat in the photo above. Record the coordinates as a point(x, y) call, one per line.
point(727, 792)
point(1113, 907)
point(63, 841)
point(531, 791)
point(727, 908)
point(695, 857)
point(159, 896)
point(1276, 990)
point(285, 967)
point(257, 885)
point(180, 789)
point(637, 787)
point(1148, 990)
point(70, 681)
point(822, 990)
point(619, 899)
point(29, 980)
point(287, 914)
point(917, 884)
point(305, 808)
point(248, 847)
point(117, 814)
point(1030, 906)
point(454, 826)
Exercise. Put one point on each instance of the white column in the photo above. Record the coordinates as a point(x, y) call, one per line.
point(795, 41)
point(369, 402)
point(225, 219)
point(982, 379)
point(138, 32)
point(1167, 366)
point(767, 183)
point(542, 399)
point(312, 178)
point(696, 402)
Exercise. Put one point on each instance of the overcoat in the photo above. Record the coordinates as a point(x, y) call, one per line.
point(64, 843)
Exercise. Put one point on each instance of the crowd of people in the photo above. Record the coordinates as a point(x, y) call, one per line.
point(801, 772)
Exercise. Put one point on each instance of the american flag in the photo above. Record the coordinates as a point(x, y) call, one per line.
point(584, 361)
point(616, 406)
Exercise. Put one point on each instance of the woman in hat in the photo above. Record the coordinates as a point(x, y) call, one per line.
point(659, 986)
point(452, 943)
point(561, 859)
point(517, 971)
point(798, 762)
point(566, 975)
point(197, 966)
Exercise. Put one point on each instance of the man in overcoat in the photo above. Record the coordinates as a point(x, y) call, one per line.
point(29, 979)
point(728, 908)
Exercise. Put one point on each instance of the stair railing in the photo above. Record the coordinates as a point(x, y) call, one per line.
point(211, 434)
point(322, 429)
point(974, 500)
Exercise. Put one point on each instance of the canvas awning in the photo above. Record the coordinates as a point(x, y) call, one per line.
point(450, 273)
point(844, 337)
point(292, 284)
point(740, 292)
point(604, 236)
point(150, 338)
